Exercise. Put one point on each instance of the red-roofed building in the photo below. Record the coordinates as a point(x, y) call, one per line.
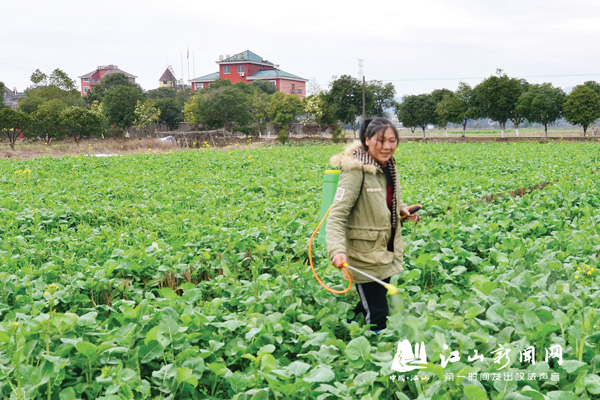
point(91, 78)
point(247, 67)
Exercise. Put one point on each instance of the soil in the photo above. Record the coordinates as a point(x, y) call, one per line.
point(109, 147)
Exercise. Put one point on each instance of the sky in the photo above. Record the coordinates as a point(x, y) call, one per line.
point(419, 46)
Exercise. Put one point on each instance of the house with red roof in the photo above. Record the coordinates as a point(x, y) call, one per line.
point(91, 78)
point(247, 67)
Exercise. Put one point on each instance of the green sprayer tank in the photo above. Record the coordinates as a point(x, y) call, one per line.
point(330, 182)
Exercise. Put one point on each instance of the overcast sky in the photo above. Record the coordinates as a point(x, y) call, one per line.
point(419, 46)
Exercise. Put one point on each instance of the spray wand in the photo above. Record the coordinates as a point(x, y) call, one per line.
point(392, 290)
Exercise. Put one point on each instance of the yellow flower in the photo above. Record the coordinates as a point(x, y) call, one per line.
point(590, 272)
point(53, 287)
point(593, 269)
point(18, 172)
point(576, 276)
point(578, 268)
point(46, 293)
point(15, 325)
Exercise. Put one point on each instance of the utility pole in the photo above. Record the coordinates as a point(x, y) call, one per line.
point(361, 73)
point(364, 113)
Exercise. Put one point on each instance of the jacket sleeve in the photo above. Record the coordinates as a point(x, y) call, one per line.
point(346, 195)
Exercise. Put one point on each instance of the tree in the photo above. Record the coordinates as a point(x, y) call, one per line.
point(161, 93)
point(119, 105)
point(264, 86)
point(259, 108)
point(57, 86)
point(223, 105)
point(145, 114)
point(345, 100)
point(191, 109)
point(595, 86)
point(183, 96)
point(47, 122)
point(313, 87)
point(379, 98)
point(456, 108)
point(171, 112)
point(582, 107)
point(108, 82)
point(417, 110)
point(518, 117)
point(317, 106)
point(496, 98)
point(438, 95)
point(80, 123)
point(542, 104)
point(57, 78)
point(284, 108)
point(13, 124)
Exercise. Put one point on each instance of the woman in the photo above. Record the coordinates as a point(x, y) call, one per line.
point(363, 227)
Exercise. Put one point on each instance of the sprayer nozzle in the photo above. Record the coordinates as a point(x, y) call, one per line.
point(392, 290)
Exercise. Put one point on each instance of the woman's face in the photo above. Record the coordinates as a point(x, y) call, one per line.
point(382, 151)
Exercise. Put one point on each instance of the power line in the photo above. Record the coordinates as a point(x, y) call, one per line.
point(479, 77)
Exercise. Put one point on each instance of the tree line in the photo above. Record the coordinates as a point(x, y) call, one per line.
point(502, 98)
point(53, 108)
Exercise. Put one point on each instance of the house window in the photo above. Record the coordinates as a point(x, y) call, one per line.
point(86, 79)
point(164, 82)
point(199, 86)
point(86, 89)
point(293, 88)
point(240, 69)
point(226, 69)
point(274, 82)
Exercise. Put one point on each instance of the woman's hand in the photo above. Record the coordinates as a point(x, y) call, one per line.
point(339, 260)
point(405, 212)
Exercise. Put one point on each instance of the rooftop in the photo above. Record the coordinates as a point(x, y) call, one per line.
point(244, 56)
point(274, 74)
point(206, 78)
point(113, 69)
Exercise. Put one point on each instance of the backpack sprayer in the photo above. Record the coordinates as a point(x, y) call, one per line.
point(330, 181)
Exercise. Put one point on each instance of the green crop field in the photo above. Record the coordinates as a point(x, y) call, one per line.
point(185, 276)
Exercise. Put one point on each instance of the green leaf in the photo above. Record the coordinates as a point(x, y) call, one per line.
point(151, 351)
point(592, 384)
point(86, 348)
point(560, 395)
point(186, 375)
point(268, 363)
point(298, 368)
point(532, 393)
point(572, 365)
point(475, 393)
point(366, 378)
point(67, 394)
point(358, 348)
point(88, 320)
point(531, 319)
point(320, 374)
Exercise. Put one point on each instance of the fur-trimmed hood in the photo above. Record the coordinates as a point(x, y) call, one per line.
point(346, 160)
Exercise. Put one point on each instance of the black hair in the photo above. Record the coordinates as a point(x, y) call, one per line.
point(373, 126)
